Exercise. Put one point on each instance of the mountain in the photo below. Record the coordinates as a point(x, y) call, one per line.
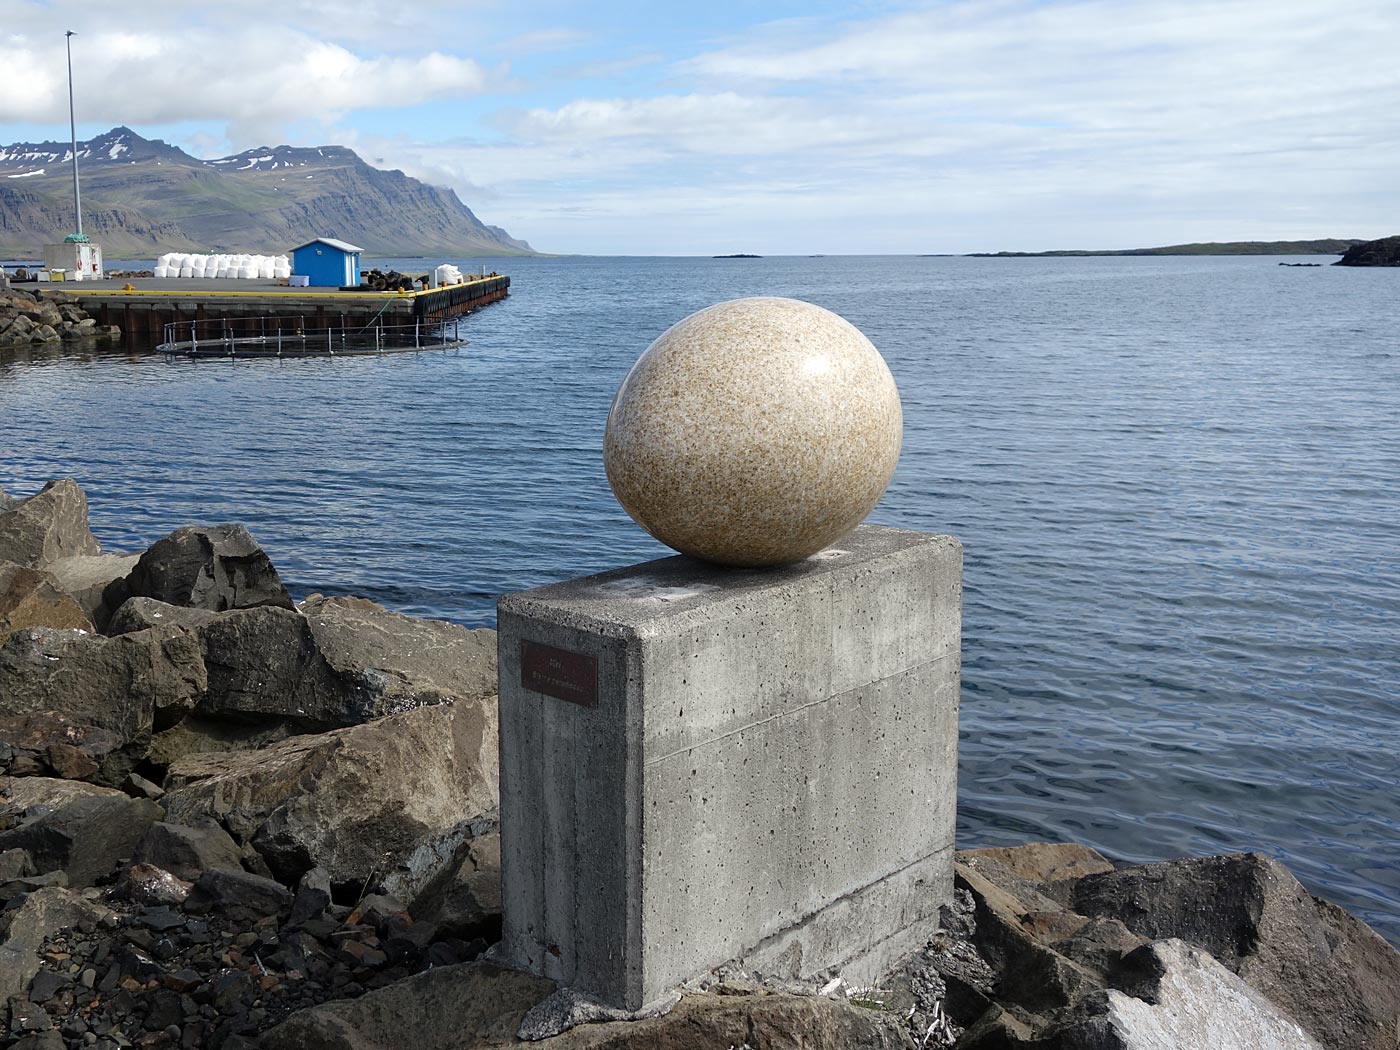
point(142, 197)
point(1326, 246)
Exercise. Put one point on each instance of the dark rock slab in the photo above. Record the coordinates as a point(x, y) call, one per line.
point(188, 850)
point(137, 614)
point(1329, 971)
point(219, 567)
point(33, 598)
point(461, 1007)
point(87, 837)
point(47, 526)
point(390, 662)
point(103, 695)
point(466, 893)
point(239, 895)
point(364, 803)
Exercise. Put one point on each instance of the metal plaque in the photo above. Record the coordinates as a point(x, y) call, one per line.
point(559, 673)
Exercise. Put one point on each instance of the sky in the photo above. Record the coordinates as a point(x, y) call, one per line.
point(774, 128)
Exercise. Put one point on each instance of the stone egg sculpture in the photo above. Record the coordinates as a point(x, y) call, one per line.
point(754, 432)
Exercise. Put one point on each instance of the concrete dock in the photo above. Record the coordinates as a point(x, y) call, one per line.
point(153, 302)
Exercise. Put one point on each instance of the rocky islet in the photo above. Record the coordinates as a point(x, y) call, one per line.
point(236, 820)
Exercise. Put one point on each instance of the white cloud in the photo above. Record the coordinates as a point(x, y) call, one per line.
point(256, 81)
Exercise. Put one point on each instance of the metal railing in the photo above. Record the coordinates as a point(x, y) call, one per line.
point(293, 337)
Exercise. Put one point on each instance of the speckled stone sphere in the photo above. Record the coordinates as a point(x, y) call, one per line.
point(754, 432)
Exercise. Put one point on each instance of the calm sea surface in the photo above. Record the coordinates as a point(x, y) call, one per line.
point(1177, 482)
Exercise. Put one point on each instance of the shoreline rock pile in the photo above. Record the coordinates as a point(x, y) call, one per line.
point(45, 316)
point(232, 820)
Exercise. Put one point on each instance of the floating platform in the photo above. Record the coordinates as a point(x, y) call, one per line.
point(153, 303)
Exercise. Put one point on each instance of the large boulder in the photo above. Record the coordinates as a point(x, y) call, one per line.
point(95, 581)
point(219, 567)
point(1181, 998)
point(33, 793)
point(344, 662)
point(87, 837)
point(384, 802)
point(1331, 972)
point(33, 598)
point(100, 695)
point(391, 662)
point(47, 526)
point(188, 850)
point(200, 736)
point(465, 894)
point(24, 930)
point(477, 1005)
point(463, 1007)
point(137, 614)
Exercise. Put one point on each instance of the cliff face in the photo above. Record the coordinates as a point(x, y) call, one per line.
point(1384, 252)
point(142, 197)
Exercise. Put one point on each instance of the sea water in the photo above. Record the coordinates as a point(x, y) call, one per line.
point(1177, 483)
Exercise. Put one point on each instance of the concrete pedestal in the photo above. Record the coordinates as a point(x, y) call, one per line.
point(704, 765)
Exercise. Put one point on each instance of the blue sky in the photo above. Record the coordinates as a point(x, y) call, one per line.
point(777, 128)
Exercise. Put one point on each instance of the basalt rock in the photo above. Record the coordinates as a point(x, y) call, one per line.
point(24, 929)
point(390, 662)
point(47, 526)
point(188, 850)
point(465, 895)
point(1331, 972)
point(219, 567)
point(463, 1007)
point(369, 804)
point(95, 581)
point(1178, 997)
point(33, 598)
point(137, 614)
point(87, 838)
point(100, 695)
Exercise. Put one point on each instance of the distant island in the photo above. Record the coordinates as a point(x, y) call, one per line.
point(1326, 246)
point(143, 196)
point(741, 255)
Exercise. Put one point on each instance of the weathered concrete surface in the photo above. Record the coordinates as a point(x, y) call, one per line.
point(730, 796)
point(49, 525)
point(1184, 1000)
point(386, 801)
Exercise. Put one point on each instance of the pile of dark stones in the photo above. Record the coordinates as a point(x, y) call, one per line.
point(45, 315)
point(232, 820)
point(379, 281)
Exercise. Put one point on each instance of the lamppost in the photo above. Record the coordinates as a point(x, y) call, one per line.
point(73, 128)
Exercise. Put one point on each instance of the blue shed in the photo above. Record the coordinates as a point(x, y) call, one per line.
point(328, 263)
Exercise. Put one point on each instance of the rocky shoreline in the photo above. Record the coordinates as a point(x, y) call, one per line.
point(234, 820)
point(45, 315)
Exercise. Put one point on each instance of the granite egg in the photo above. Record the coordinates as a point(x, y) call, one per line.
point(754, 432)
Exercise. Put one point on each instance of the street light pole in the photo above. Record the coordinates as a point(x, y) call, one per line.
point(73, 127)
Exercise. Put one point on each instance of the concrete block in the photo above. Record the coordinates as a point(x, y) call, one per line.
point(703, 765)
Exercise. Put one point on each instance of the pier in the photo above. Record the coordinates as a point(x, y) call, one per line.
point(153, 303)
